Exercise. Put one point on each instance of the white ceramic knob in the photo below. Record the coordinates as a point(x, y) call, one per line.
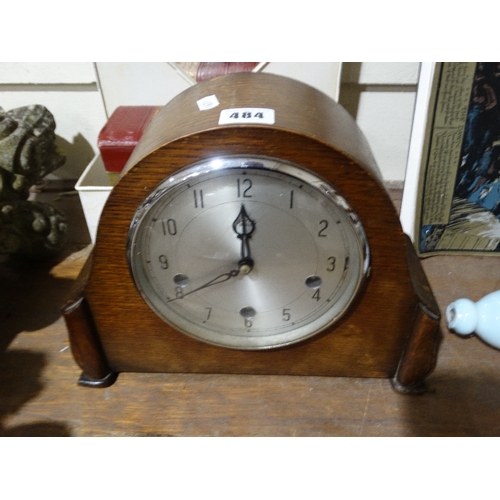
point(465, 317)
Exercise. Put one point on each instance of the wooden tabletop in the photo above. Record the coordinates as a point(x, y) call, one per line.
point(39, 395)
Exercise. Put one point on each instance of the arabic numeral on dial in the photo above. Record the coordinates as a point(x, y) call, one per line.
point(323, 225)
point(243, 188)
point(331, 262)
point(286, 314)
point(209, 309)
point(198, 199)
point(317, 295)
point(179, 294)
point(248, 323)
point(291, 198)
point(163, 261)
point(169, 227)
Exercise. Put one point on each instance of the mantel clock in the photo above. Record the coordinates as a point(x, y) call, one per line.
point(251, 233)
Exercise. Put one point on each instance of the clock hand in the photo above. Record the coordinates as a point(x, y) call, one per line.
point(219, 279)
point(244, 227)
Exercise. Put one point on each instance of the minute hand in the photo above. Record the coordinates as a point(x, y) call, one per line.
point(219, 279)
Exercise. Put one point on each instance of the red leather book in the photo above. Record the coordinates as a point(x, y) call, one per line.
point(121, 133)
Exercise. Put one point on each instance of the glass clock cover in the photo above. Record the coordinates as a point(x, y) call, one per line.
point(247, 252)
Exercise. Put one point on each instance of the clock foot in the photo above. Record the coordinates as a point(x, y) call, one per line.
point(412, 390)
point(85, 344)
point(419, 355)
point(86, 381)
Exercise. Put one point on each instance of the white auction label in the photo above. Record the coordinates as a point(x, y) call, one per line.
point(264, 116)
point(208, 102)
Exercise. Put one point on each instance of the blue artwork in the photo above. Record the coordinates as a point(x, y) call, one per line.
point(476, 194)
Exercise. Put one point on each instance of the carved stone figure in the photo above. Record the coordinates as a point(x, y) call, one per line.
point(27, 154)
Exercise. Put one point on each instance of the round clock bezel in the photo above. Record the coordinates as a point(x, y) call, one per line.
point(213, 167)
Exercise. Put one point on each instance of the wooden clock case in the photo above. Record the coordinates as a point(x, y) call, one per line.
point(392, 329)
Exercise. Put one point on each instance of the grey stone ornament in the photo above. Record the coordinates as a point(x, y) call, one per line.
point(31, 228)
point(28, 153)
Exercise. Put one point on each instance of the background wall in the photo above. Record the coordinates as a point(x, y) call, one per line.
point(71, 93)
point(381, 97)
point(81, 96)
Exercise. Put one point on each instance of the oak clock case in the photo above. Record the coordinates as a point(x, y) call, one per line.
point(253, 236)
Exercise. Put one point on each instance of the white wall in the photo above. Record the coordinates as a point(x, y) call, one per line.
point(71, 93)
point(82, 95)
point(381, 97)
point(139, 84)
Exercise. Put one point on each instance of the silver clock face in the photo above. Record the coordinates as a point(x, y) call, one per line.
point(247, 252)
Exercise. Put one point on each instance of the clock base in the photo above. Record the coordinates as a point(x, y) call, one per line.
point(416, 362)
point(110, 379)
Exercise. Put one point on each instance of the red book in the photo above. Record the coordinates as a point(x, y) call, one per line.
point(121, 134)
point(208, 70)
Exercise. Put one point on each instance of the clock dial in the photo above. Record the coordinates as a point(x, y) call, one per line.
point(247, 253)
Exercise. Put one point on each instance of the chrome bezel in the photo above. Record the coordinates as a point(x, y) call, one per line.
point(208, 167)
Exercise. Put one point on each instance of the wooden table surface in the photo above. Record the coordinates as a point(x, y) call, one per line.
point(39, 395)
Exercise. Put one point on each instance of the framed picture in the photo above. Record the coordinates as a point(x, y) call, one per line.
point(451, 199)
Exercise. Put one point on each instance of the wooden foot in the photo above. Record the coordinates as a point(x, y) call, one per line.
point(86, 381)
point(419, 356)
point(412, 390)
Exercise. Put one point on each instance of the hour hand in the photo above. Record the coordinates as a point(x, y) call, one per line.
point(244, 227)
